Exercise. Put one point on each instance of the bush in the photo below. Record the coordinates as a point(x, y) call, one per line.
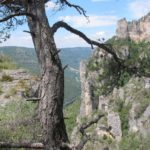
point(123, 110)
point(144, 103)
point(1, 91)
point(6, 78)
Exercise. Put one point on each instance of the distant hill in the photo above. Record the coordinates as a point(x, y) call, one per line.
point(26, 58)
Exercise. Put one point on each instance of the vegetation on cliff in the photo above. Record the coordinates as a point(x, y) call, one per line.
point(134, 55)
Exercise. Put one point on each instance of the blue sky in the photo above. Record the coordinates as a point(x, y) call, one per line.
point(103, 16)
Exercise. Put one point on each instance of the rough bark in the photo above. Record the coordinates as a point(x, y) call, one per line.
point(52, 80)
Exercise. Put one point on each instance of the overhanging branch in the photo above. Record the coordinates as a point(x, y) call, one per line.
point(106, 47)
point(15, 15)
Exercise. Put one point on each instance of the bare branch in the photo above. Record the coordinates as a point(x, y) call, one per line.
point(95, 120)
point(107, 48)
point(34, 99)
point(77, 7)
point(65, 67)
point(15, 15)
point(82, 129)
point(21, 145)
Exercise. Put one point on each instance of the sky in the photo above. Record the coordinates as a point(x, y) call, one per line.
point(103, 16)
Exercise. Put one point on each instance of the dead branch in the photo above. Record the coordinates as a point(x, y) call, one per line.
point(77, 7)
point(33, 99)
point(107, 48)
point(15, 15)
point(65, 67)
point(82, 129)
point(21, 145)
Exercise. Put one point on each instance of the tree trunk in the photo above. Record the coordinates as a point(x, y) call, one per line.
point(52, 80)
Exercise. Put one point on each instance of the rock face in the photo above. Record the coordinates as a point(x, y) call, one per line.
point(115, 124)
point(13, 83)
point(131, 100)
point(136, 30)
point(127, 107)
point(86, 106)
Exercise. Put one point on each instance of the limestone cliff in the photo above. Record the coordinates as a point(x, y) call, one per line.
point(136, 30)
point(127, 107)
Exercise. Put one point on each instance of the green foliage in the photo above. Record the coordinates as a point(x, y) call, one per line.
point(111, 74)
point(71, 111)
point(139, 53)
point(1, 91)
point(6, 78)
point(134, 142)
point(124, 78)
point(107, 139)
point(143, 104)
point(12, 91)
point(17, 122)
point(123, 110)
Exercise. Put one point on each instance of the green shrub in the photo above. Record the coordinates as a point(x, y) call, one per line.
point(123, 110)
point(144, 103)
point(111, 74)
point(1, 91)
point(6, 78)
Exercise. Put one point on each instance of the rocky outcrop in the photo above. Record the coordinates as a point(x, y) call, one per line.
point(86, 92)
point(115, 123)
point(127, 107)
point(131, 100)
point(136, 30)
point(16, 84)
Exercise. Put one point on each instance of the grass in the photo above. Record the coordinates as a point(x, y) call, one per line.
point(134, 142)
point(70, 112)
point(17, 123)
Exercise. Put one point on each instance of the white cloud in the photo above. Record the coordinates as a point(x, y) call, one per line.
point(94, 21)
point(51, 5)
point(70, 40)
point(139, 8)
point(21, 39)
point(101, 33)
point(98, 35)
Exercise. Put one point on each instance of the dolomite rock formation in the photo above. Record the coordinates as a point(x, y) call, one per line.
point(86, 96)
point(131, 100)
point(136, 30)
point(115, 124)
